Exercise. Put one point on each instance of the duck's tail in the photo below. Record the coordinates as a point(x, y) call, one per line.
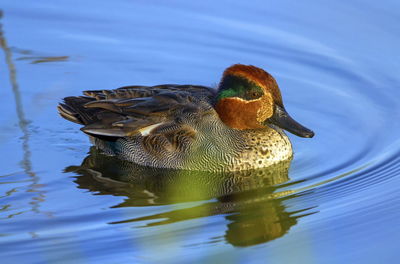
point(73, 109)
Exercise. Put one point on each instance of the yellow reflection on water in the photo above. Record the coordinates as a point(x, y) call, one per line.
point(250, 201)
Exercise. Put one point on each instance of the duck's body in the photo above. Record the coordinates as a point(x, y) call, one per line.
point(184, 126)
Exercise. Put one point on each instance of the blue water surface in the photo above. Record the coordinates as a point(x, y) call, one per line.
point(337, 64)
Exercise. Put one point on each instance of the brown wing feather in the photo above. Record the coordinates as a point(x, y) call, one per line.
point(130, 110)
point(169, 137)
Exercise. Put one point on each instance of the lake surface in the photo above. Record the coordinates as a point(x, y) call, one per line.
point(337, 63)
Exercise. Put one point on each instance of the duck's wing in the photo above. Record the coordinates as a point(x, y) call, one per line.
point(130, 110)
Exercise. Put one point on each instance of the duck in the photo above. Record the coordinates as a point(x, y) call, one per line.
point(236, 127)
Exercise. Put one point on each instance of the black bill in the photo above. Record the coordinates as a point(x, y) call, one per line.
point(283, 120)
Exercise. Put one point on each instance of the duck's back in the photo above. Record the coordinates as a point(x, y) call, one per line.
point(110, 112)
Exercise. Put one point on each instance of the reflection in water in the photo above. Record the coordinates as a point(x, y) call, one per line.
point(41, 59)
point(22, 122)
point(250, 200)
point(23, 125)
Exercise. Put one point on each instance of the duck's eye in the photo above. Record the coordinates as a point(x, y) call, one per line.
point(254, 95)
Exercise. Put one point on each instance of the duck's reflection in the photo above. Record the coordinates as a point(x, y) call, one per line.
point(249, 200)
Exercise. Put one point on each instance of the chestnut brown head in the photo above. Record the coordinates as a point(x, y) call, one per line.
point(249, 97)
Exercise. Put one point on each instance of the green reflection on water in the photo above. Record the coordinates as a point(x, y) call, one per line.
point(249, 200)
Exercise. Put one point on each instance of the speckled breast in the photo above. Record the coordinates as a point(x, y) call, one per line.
point(264, 148)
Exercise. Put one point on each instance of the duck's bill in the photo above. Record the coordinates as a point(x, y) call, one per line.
point(283, 120)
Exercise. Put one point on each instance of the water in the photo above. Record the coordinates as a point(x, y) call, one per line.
point(337, 65)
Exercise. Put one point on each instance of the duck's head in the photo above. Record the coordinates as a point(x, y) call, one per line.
point(248, 97)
